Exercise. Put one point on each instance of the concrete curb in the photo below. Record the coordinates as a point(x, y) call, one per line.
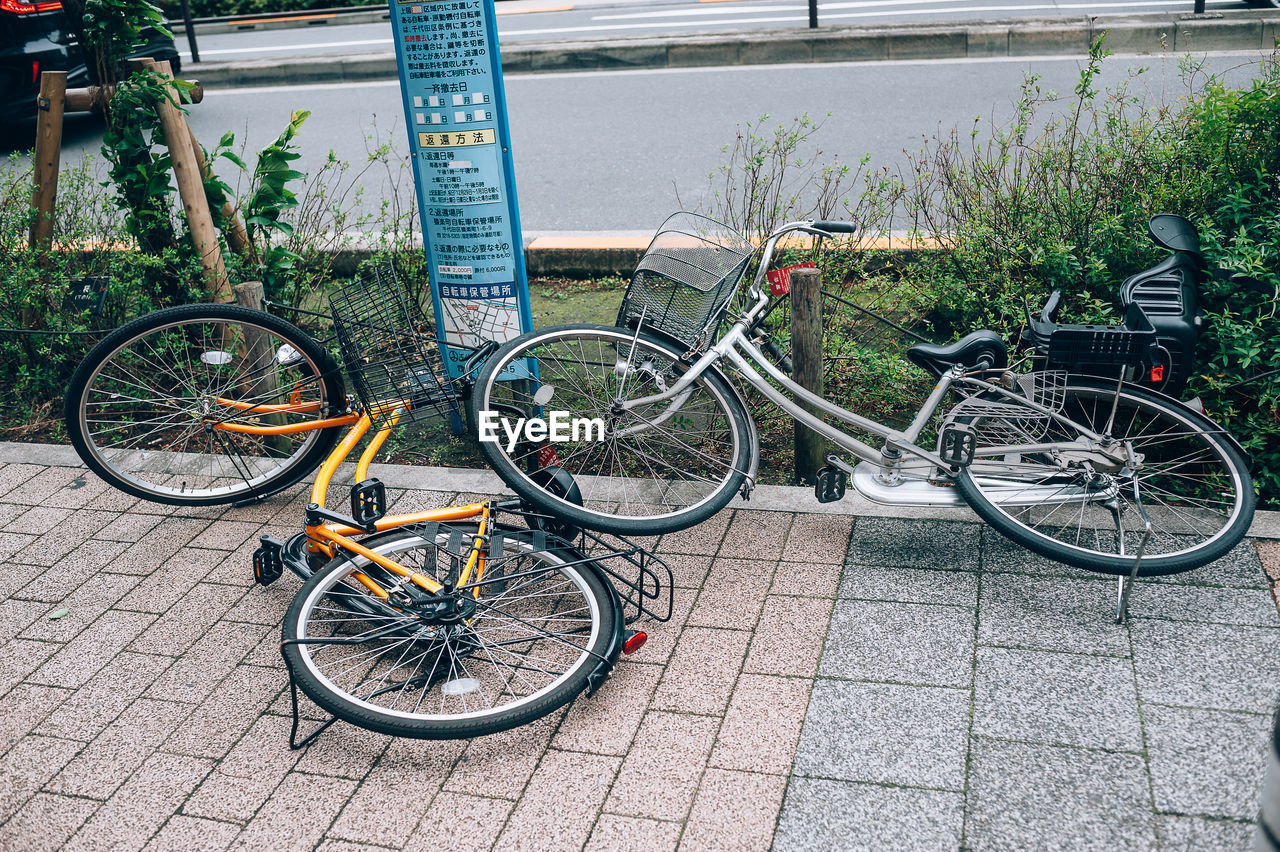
point(768, 498)
point(1137, 34)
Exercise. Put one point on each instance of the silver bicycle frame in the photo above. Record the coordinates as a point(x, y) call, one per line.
point(735, 347)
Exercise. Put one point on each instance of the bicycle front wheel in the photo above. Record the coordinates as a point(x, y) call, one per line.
point(1074, 504)
point(641, 471)
point(502, 654)
point(153, 408)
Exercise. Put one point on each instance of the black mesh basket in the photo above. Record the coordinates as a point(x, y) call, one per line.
point(1094, 349)
point(389, 351)
point(686, 277)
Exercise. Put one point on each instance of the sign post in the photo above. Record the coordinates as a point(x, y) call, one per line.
point(456, 112)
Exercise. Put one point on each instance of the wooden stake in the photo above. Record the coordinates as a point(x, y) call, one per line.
point(53, 88)
point(806, 363)
point(191, 189)
point(233, 230)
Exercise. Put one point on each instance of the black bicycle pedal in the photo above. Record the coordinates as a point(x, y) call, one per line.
point(268, 565)
point(368, 501)
point(957, 445)
point(831, 484)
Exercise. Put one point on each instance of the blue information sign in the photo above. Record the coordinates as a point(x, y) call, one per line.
point(456, 111)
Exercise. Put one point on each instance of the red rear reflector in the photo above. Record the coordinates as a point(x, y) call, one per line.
point(1157, 372)
point(635, 641)
point(18, 7)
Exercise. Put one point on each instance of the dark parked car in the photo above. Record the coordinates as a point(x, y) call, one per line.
point(35, 37)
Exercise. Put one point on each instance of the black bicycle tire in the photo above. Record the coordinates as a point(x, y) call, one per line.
point(518, 480)
point(97, 357)
point(1151, 566)
point(344, 709)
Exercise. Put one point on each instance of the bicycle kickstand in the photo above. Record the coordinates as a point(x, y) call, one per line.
point(1126, 580)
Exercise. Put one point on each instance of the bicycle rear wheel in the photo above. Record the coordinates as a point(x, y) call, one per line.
point(141, 407)
point(522, 648)
point(1080, 506)
point(657, 469)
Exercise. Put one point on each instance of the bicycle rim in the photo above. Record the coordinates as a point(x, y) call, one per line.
point(527, 648)
point(655, 469)
point(1081, 508)
point(145, 405)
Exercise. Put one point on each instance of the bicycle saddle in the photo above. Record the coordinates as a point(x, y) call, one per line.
point(968, 350)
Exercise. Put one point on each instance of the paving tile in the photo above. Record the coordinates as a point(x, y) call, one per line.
point(86, 489)
point(120, 749)
point(663, 635)
point(1203, 665)
point(189, 834)
point(756, 535)
point(1000, 555)
point(236, 568)
point(264, 605)
point(138, 809)
point(297, 814)
point(331, 845)
point(1065, 699)
point(183, 623)
point(762, 726)
point(38, 520)
point(688, 570)
point(28, 766)
point(1021, 794)
point(702, 671)
point(734, 810)
point(105, 696)
point(413, 500)
point(733, 594)
point(248, 775)
point(225, 535)
point(909, 585)
point(166, 585)
point(45, 822)
point(55, 582)
point(23, 708)
point(195, 674)
point(366, 818)
point(818, 539)
point(789, 637)
point(13, 577)
point(499, 765)
point(80, 659)
point(83, 607)
point(820, 815)
point(1051, 614)
point(1240, 568)
point(561, 803)
point(660, 773)
point(809, 579)
point(900, 642)
point(844, 735)
point(911, 543)
point(13, 475)
point(614, 833)
point(345, 751)
point(1204, 603)
point(461, 824)
point(1194, 834)
point(63, 540)
point(16, 615)
point(705, 538)
point(129, 527)
point(156, 547)
point(224, 718)
point(20, 657)
point(606, 722)
point(1206, 762)
point(37, 489)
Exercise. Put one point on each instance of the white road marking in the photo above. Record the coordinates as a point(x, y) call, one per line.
point(737, 69)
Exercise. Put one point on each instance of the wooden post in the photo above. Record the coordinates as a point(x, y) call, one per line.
point(53, 88)
point(191, 190)
point(260, 360)
point(806, 364)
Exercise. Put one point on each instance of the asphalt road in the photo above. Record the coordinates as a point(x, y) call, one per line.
point(619, 150)
point(517, 22)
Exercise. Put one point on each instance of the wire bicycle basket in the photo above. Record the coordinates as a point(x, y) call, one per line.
point(389, 352)
point(686, 277)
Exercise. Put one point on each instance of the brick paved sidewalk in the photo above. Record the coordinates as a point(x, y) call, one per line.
point(825, 683)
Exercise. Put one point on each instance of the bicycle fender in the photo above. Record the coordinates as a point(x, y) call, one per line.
point(1205, 421)
point(600, 673)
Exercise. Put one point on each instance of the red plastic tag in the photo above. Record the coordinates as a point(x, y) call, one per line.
point(547, 457)
point(780, 279)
